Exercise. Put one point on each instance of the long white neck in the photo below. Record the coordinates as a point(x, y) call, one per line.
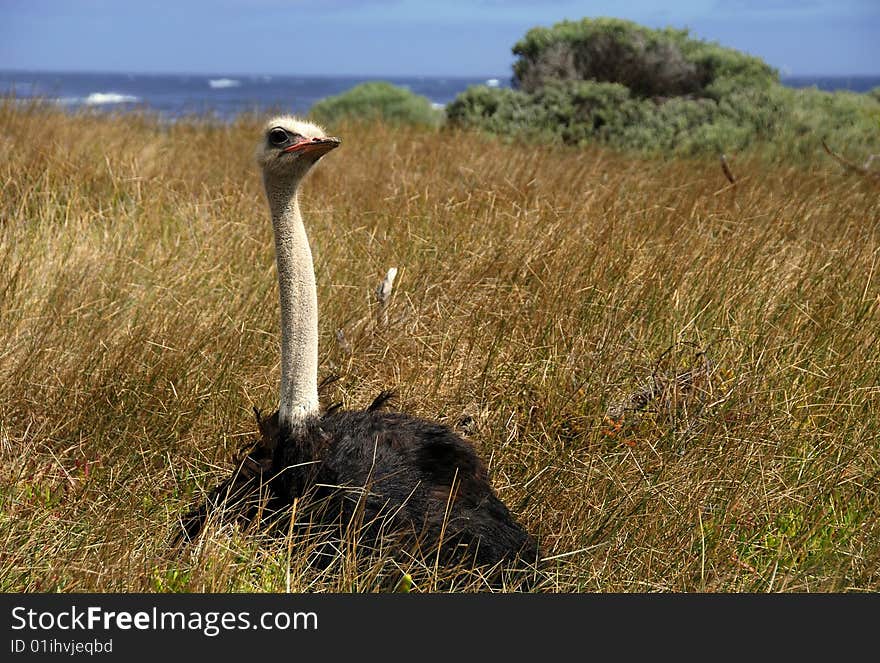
point(299, 311)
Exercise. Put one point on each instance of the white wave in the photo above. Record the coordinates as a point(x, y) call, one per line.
point(493, 82)
point(221, 83)
point(100, 98)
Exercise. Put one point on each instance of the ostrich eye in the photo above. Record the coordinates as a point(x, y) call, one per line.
point(278, 136)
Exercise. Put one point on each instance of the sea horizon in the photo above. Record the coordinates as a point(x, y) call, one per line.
point(247, 74)
point(226, 95)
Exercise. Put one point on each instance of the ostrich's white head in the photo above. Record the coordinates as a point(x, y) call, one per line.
point(289, 148)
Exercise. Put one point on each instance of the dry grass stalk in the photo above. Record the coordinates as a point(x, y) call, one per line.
point(851, 166)
point(725, 167)
point(383, 296)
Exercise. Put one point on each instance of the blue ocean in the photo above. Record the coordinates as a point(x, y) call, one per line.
point(221, 96)
point(225, 96)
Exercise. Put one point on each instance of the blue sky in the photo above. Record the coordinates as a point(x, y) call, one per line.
point(404, 37)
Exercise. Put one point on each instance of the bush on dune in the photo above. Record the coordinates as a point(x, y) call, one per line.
point(377, 100)
point(659, 91)
point(648, 62)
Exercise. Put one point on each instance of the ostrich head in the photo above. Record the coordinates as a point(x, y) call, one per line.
point(290, 147)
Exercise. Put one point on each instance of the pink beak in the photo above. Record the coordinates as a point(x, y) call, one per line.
point(318, 145)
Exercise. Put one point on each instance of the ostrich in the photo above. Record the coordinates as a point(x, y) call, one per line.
point(374, 472)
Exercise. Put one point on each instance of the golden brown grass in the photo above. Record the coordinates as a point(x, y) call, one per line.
point(539, 288)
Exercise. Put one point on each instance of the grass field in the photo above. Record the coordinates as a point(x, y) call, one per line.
point(675, 381)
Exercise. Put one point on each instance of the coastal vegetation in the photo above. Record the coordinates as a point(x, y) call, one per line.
point(620, 84)
point(377, 100)
point(659, 92)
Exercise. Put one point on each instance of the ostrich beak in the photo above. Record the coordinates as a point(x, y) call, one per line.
point(317, 146)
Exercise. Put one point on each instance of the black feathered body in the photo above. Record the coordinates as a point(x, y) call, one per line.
point(378, 475)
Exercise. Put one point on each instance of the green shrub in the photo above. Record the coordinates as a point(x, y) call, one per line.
point(660, 91)
point(570, 112)
point(649, 62)
point(500, 111)
point(579, 112)
point(846, 120)
point(377, 100)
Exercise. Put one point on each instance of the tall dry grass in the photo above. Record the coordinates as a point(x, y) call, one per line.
point(539, 290)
